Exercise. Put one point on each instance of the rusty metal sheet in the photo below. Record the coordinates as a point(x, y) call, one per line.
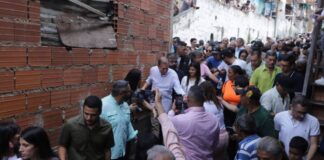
point(81, 32)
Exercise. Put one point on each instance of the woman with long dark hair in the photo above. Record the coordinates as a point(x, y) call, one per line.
point(212, 105)
point(193, 78)
point(134, 78)
point(35, 145)
point(9, 137)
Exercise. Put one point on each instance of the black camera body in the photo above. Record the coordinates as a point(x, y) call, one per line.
point(139, 96)
point(180, 104)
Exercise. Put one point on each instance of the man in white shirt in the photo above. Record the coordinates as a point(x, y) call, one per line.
point(229, 60)
point(164, 79)
point(255, 62)
point(239, 46)
point(297, 122)
point(277, 99)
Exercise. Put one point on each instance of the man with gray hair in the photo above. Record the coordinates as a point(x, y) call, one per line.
point(270, 148)
point(159, 152)
point(116, 111)
point(164, 79)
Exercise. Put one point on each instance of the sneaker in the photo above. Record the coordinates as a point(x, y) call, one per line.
point(320, 81)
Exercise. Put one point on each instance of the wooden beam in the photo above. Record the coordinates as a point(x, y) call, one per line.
point(315, 36)
point(85, 6)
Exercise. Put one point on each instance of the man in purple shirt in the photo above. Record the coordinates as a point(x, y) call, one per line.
point(198, 130)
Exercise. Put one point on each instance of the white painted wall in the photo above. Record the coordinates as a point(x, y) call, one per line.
point(225, 21)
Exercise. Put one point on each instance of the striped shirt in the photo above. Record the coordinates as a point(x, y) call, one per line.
point(247, 148)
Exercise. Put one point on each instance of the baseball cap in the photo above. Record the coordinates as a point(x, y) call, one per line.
point(253, 93)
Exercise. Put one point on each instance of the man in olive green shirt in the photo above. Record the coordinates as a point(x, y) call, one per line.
point(86, 136)
point(251, 105)
point(263, 77)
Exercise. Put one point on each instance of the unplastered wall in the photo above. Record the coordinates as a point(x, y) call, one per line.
point(225, 21)
point(45, 85)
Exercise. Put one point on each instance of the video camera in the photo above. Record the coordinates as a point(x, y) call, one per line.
point(139, 96)
point(180, 104)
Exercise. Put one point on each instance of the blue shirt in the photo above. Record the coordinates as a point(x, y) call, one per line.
point(247, 148)
point(212, 62)
point(119, 117)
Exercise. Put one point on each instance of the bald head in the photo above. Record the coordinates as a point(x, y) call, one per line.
point(163, 60)
point(163, 65)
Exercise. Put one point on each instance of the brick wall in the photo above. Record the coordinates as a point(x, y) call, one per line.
point(45, 85)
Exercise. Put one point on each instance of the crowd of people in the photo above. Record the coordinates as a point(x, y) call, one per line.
point(219, 100)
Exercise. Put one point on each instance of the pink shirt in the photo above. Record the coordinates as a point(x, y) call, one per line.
point(170, 137)
point(204, 70)
point(198, 132)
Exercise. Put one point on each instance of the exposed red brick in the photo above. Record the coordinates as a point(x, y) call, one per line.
point(36, 101)
point(89, 75)
point(132, 58)
point(13, 9)
point(103, 74)
point(12, 105)
point(39, 56)
point(72, 76)
point(147, 58)
point(34, 11)
point(71, 112)
point(136, 3)
point(28, 79)
point(12, 57)
point(121, 11)
point(52, 119)
point(27, 32)
point(112, 58)
point(78, 95)
point(134, 14)
point(80, 56)
point(152, 32)
point(6, 31)
point(27, 121)
point(52, 78)
point(139, 44)
point(61, 57)
point(6, 82)
point(99, 90)
point(123, 26)
point(60, 98)
point(120, 71)
point(156, 45)
point(97, 57)
point(145, 4)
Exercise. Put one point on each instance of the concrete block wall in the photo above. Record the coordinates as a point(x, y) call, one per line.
point(45, 85)
point(226, 21)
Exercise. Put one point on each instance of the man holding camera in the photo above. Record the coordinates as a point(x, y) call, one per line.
point(116, 111)
point(164, 79)
point(198, 130)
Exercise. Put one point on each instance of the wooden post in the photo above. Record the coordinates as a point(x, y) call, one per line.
point(315, 36)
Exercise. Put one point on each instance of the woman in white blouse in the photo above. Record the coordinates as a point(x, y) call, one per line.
point(213, 106)
point(193, 77)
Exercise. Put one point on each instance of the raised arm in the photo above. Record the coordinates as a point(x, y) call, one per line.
point(170, 134)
